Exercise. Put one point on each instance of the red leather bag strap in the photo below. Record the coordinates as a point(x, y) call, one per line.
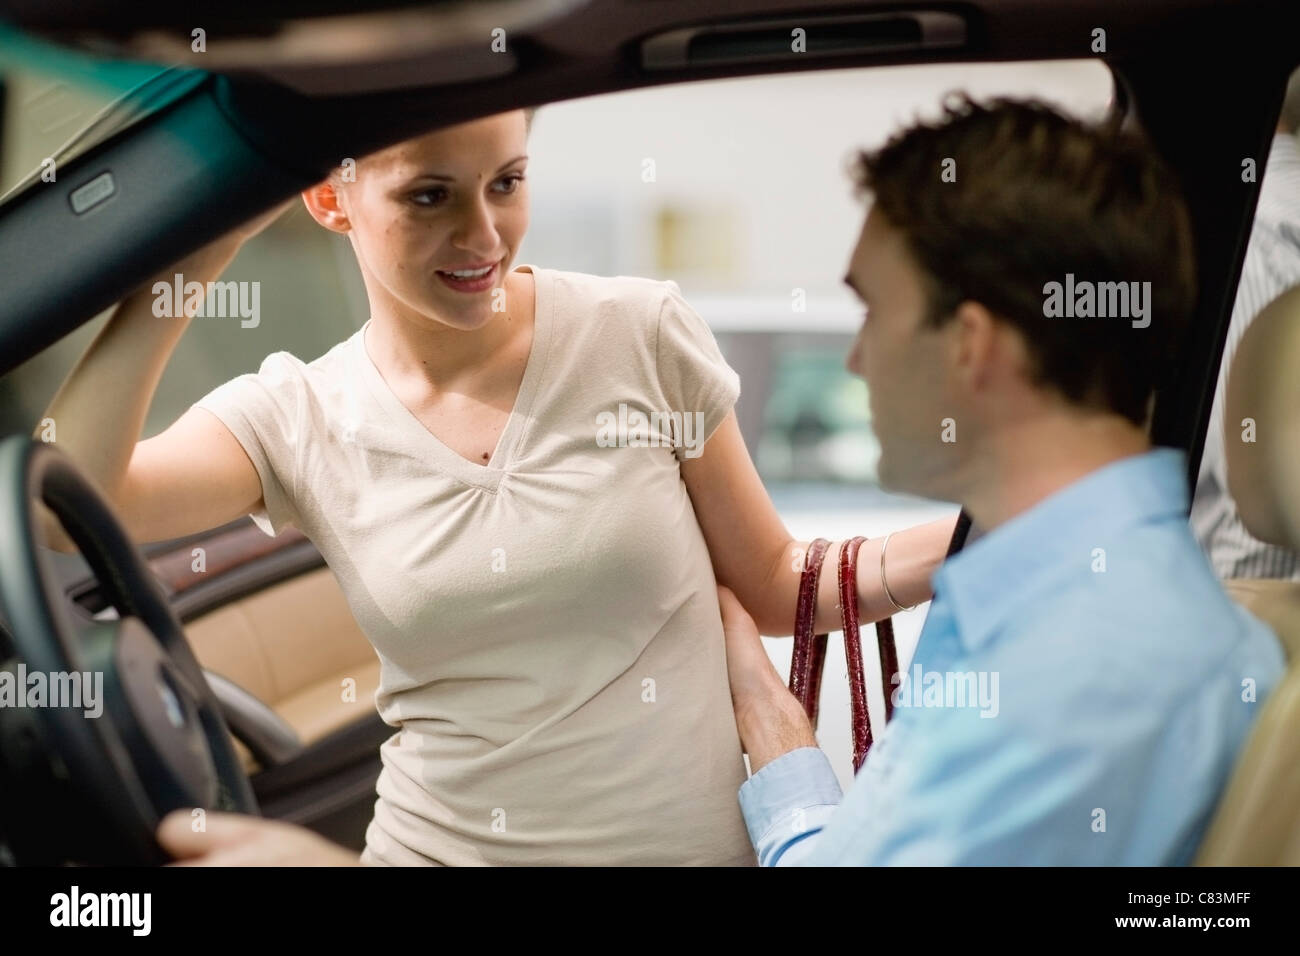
point(809, 653)
point(860, 727)
point(809, 656)
point(888, 662)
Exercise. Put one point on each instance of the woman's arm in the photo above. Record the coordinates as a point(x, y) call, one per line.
point(195, 475)
point(755, 556)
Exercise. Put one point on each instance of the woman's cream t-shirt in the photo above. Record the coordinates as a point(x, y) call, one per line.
point(547, 623)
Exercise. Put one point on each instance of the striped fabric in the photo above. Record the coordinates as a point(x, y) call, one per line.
point(1272, 266)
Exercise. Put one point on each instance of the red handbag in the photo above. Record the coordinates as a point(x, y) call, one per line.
point(809, 656)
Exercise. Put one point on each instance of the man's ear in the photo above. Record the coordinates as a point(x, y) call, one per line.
point(322, 201)
point(976, 344)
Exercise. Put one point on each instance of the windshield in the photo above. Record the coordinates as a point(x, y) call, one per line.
point(708, 184)
point(58, 103)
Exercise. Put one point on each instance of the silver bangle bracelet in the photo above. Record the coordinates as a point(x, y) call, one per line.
point(883, 584)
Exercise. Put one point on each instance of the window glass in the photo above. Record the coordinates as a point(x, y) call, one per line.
point(736, 189)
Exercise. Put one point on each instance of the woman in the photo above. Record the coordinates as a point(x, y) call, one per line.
point(506, 471)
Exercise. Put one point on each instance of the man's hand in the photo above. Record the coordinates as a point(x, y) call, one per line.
point(233, 839)
point(771, 722)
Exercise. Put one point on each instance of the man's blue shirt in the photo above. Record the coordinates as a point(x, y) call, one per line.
point(1079, 693)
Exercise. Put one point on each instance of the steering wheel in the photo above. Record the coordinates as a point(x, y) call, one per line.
point(160, 742)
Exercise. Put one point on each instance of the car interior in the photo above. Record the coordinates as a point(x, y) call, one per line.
point(258, 637)
point(1255, 821)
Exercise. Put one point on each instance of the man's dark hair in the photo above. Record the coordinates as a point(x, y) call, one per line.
point(1036, 196)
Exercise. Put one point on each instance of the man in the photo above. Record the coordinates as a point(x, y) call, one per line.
point(1010, 370)
point(1271, 267)
point(1124, 680)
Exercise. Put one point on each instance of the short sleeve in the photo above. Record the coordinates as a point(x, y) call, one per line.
point(261, 409)
point(695, 378)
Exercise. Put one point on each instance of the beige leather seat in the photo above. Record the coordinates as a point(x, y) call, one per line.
point(297, 648)
point(1257, 821)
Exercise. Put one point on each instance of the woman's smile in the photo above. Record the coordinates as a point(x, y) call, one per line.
point(469, 279)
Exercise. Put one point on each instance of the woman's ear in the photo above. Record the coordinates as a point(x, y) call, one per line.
point(322, 201)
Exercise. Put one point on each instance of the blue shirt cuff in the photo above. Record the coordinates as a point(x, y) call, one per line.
point(788, 801)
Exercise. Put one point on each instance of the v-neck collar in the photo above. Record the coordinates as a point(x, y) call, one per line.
point(449, 461)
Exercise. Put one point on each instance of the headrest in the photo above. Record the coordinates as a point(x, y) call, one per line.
point(1263, 454)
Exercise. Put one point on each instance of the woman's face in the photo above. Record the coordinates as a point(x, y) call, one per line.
point(453, 201)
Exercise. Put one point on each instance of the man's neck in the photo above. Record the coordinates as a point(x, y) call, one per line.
point(1031, 460)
